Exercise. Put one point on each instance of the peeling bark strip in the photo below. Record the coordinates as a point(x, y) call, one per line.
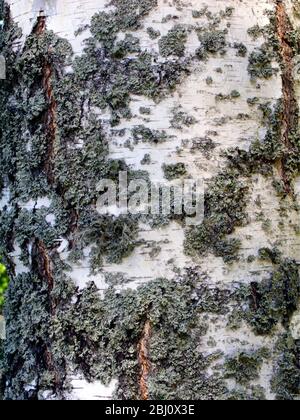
point(50, 118)
point(143, 356)
point(290, 107)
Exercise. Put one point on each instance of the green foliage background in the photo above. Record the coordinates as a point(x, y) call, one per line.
point(3, 284)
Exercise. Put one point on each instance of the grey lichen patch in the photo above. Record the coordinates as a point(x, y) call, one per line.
point(173, 44)
point(262, 61)
point(31, 356)
point(127, 15)
point(145, 110)
point(253, 101)
point(144, 134)
point(181, 118)
point(228, 12)
point(223, 212)
point(126, 69)
point(110, 329)
point(112, 238)
point(241, 49)
point(212, 42)
point(274, 299)
point(245, 367)
point(243, 117)
point(197, 14)
point(263, 155)
point(271, 255)
point(233, 95)
point(116, 279)
point(173, 171)
point(205, 144)
point(214, 300)
point(261, 64)
point(146, 159)
point(129, 45)
point(226, 199)
point(153, 33)
point(286, 379)
point(249, 393)
point(209, 80)
point(256, 32)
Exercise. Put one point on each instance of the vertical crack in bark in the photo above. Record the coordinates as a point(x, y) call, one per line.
point(143, 357)
point(254, 294)
point(41, 260)
point(51, 120)
point(50, 117)
point(42, 265)
point(290, 106)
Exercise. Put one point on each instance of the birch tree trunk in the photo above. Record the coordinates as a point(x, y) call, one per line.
point(132, 307)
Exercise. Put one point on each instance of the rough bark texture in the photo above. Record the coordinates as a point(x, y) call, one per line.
point(103, 306)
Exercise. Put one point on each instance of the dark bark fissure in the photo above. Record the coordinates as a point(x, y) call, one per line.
point(143, 357)
point(42, 266)
point(50, 117)
point(41, 260)
point(41, 263)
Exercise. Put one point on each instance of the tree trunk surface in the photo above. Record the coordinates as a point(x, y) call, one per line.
point(128, 306)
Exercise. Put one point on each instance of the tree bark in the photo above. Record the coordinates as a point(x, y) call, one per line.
point(109, 305)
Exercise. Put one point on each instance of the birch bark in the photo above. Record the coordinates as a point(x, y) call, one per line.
point(114, 306)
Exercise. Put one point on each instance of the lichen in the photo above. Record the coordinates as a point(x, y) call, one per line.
point(260, 64)
point(173, 44)
point(145, 110)
point(205, 144)
point(173, 171)
point(146, 135)
point(223, 212)
point(94, 330)
point(233, 95)
point(146, 159)
point(256, 32)
point(181, 118)
point(252, 393)
point(209, 81)
point(212, 42)
point(241, 49)
point(244, 367)
point(286, 379)
point(274, 299)
point(153, 33)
